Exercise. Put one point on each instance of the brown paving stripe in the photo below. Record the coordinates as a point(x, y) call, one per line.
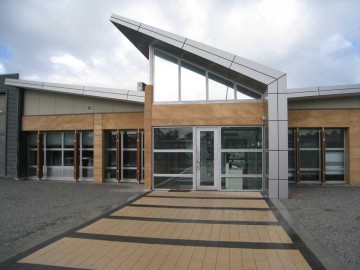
point(199, 207)
point(202, 198)
point(30, 266)
point(183, 242)
point(205, 221)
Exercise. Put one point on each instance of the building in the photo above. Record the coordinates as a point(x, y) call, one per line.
point(209, 120)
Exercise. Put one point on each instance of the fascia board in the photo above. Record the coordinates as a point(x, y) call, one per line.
point(106, 90)
point(355, 87)
point(302, 95)
point(265, 79)
point(160, 32)
point(24, 83)
point(303, 90)
point(136, 99)
point(276, 74)
point(62, 90)
point(339, 92)
point(66, 86)
point(125, 22)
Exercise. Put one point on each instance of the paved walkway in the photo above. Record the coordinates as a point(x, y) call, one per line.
point(180, 230)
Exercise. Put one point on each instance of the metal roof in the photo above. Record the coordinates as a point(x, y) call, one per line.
point(323, 91)
point(107, 93)
point(223, 63)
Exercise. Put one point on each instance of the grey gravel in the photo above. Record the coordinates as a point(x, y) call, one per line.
point(31, 209)
point(332, 215)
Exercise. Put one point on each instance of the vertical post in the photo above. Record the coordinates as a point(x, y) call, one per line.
point(76, 156)
point(118, 156)
point(138, 156)
point(40, 156)
point(98, 149)
point(297, 159)
point(323, 146)
point(148, 136)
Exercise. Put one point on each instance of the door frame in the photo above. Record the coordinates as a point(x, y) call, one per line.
point(196, 160)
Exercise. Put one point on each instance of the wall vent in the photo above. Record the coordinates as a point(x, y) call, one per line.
point(89, 108)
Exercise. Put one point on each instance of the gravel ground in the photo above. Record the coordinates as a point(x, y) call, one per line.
point(332, 215)
point(30, 209)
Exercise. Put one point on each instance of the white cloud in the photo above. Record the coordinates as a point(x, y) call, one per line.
point(69, 61)
point(2, 69)
point(334, 44)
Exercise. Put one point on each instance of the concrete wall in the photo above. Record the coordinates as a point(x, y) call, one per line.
point(44, 103)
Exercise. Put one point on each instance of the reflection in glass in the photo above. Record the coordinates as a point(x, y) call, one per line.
point(32, 140)
point(129, 174)
point(68, 158)
point(2, 123)
point(173, 138)
point(129, 139)
point(110, 139)
point(291, 138)
point(68, 140)
point(334, 138)
point(173, 182)
point(54, 140)
point(309, 138)
point(110, 173)
point(2, 103)
point(87, 139)
point(241, 163)
point(110, 160)
point(206, 158)
point(220, 89)
point(309, 159)
point(193, 83)
point(32, 158)
point(53, 158)
point(309, 175)
point(166, 75)
point(334, 165)
point(243, 93)
point(173, 163)
point(241, 138)
point(87, 159)
point(129, 158)
point(241, 183)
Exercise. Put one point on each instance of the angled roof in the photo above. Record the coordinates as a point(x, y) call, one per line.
point(323, 91)
point(107, 93)
point(226, 64)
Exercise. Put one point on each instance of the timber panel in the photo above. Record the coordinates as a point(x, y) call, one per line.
point(55, 123)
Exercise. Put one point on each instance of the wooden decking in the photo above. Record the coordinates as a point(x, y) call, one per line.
point(178, 230)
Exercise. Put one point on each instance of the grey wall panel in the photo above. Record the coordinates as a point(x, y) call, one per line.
point(47, 103)
point(42, 103)
point(329, 103)
point(12, 133)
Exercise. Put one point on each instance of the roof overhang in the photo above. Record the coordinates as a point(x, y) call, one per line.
point(241, 70)
point(322, 92)
point(89, 91)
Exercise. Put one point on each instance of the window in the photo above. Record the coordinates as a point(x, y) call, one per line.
point(176, 80)
point(291, 154)
point(335, 155)
point(241, 158)
point(86, 155)
point(173, 157)
point(310, 154)
point(32, 154)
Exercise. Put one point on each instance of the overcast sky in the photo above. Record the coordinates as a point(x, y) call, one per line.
point(72, 41)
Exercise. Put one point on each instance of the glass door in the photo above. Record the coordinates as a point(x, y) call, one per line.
point(206, 158)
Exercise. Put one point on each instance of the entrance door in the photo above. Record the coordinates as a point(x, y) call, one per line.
point(206, 158)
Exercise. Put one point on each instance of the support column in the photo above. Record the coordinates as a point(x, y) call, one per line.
point(278, 138)
point(98, 149)
point(138, 156)
point(76, 156)
point(118, 156)
point(39, 156)
point(148, 136)
point(323, 145)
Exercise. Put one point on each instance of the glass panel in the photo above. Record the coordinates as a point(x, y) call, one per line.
point(87, 172)
point(243, 93)
point(32, 158)
point(291, 159)
point(173, 163)
point(32, 140)
point(166, 77)
point(54, 171)
point(110, 173)
point(129, 174)
point(291, 176)
point(334, 138)
point(129, 158)
point(68, 172)
point(110, 139)
point(32, 171)
point(309, 138)
point(193, 83)
point(87, 159)
point(110, 159)
point(334, 160)
point(220, 89)
point(53, 158)
point(207, 158)
point(291, 138)
point(335, 176)
point(241, 183)
point(173, 138)
point(88, 140)
point(173, 182)
point(68, 140)
point(310, 176)
point(241, 138)
point(53, 140)
point(2, 144)
point(2, 123)
point(310, 159)
point(2, 103)
point(241, 163)
point(68, 158)
point(129, 139)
